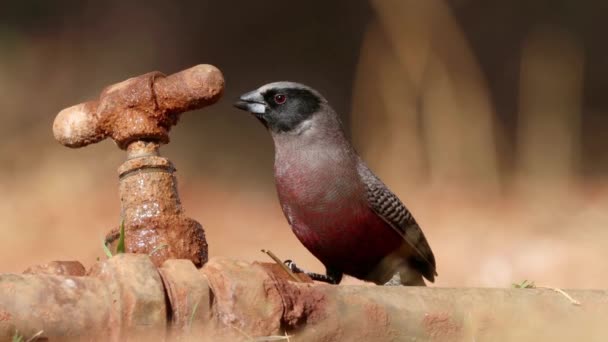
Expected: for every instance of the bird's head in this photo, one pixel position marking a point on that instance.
(282, 107)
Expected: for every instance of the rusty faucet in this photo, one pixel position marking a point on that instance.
(138, 114)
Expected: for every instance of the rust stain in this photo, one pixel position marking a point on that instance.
(66, 268)
(244, 296)
(155, 223)
(377, 314)
(442, 326)
(5, 316)
(302, 303)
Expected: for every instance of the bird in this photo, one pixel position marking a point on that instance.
(336, 206)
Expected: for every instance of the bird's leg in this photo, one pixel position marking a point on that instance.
(331, 276)
(314, 276)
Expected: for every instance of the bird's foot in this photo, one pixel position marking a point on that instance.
(326, 278)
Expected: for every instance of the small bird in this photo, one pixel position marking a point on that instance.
(338, 209)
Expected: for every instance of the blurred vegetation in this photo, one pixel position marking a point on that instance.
(486, 90)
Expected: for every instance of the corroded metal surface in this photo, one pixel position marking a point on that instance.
(137, 296)
(248, 299)
(279, 273)
(154, 220)
(142, 107)
(138, 114)
(63, 307)
(122, 296)
(244, 297)
(124, 299)
(189, 296)
(65, 268)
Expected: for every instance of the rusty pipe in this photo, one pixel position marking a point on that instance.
(126, 297)
(321, 312)
(123, 294)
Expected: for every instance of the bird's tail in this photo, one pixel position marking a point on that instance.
(406, 277)
(394, 270)
(411, 277)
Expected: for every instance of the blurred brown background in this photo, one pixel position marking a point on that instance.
(487, 118)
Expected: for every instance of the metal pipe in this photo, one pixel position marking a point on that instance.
(260, 303)
(127, 298)
(122, 295)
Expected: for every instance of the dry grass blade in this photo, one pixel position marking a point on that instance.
(240, 331)
(272, 338)
(35, 336)
(158, 248)
(280, 263)
(563, 293)
(527, 284)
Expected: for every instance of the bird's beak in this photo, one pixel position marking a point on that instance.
(252, 102)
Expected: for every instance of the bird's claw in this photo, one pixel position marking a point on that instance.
(331, 279)
(292, 266)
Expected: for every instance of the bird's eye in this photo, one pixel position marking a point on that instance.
(280, 98)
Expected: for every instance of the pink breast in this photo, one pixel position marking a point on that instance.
(341, 232)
